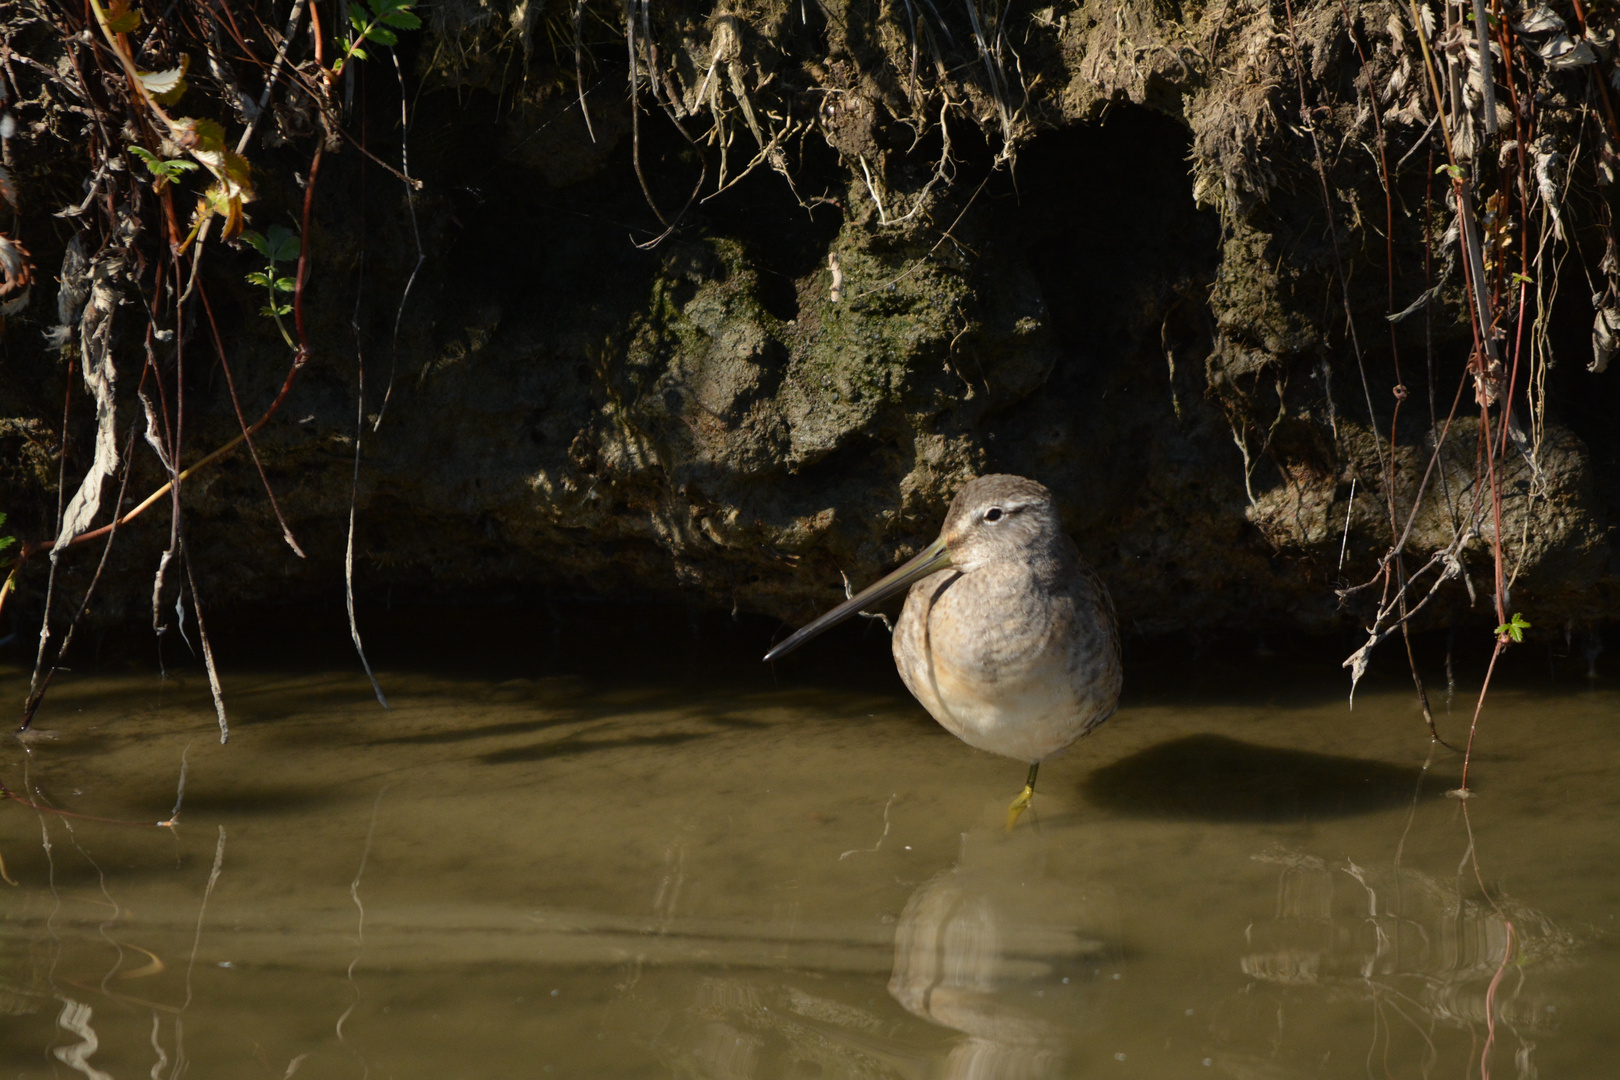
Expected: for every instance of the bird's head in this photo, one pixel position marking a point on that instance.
(999, 517)
(993, 517)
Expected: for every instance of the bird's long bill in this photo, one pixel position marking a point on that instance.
(935, 556)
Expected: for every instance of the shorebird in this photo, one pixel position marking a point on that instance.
(1007, 637)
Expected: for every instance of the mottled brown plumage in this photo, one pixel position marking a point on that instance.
(1007, 637)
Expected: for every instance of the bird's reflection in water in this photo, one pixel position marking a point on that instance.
(756, 1027)
(1442, 970)
(993, 949)
(990, 949)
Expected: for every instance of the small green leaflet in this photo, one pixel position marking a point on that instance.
(279, 284)
(165, 171)
(277, 243)
(396, 13)
(1514, 629)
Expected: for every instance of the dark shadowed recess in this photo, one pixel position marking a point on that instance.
(1215, 778)
(1103, 218)
(560, 253)
(1589, 402)
(784, 241)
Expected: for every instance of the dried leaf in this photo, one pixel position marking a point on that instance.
(74, 286)
(221, 199)
(233, 187)
(16, 271)
(15, 304)
(121, 19)
(1541, 20)
(1570, 55)
(1560, 51)
(1605, 338)
(167, 87)
(1357, 663)
(204, 135)
(16, 277)
(100, 379)
(1549, 181)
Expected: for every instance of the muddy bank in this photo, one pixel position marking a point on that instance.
(1102, 245)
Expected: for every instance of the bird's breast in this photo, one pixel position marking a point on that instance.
(1007, 666)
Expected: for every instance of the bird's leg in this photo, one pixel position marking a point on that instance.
(1020, 804)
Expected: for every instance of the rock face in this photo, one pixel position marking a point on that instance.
(1142, 254)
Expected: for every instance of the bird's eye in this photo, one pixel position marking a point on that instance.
(993, 514)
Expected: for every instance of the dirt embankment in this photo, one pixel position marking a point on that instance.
(722, 303)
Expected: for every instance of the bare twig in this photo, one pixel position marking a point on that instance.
(247, 436)
(354, 488)
(411, 187)
(207, 648)
(997, 78)
(294, 21)
(579, 65)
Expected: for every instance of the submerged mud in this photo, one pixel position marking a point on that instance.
(1106, 245)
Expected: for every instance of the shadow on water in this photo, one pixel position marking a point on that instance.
(260, 800)
(1215, 778)
(483, 731)
(570, 747)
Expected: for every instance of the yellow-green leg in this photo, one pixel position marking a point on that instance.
(1020, 804)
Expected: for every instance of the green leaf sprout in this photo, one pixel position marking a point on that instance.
(375, 23)
(1514, 629)
(277, 244)
(163, 172)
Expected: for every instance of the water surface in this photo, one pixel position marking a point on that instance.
(587, 855)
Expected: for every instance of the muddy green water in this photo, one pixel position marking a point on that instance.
(650, 857)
